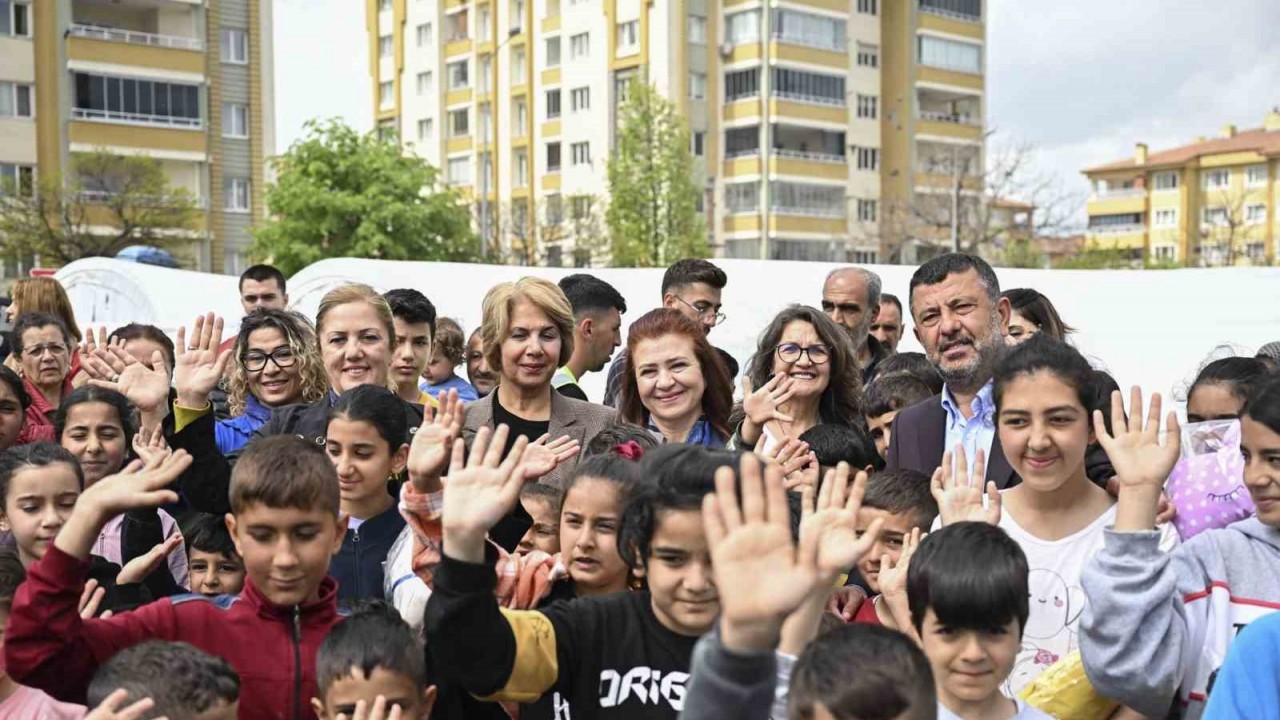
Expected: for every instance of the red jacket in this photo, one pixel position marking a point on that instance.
(48, 646)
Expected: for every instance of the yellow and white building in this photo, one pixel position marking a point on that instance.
(1211, 202)
(811, 120)
(187, 82)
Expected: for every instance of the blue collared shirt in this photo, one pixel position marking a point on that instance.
(233, 434)
(976, 432)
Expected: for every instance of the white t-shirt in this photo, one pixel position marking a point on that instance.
(1025, 712)
(1057, 600)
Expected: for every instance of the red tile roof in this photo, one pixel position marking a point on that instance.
(1264, 142)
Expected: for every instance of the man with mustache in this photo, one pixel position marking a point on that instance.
(481, 376)
(961, 320)
(851, 298)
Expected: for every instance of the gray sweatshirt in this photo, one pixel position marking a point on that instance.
(725, 685)
(1157, 626)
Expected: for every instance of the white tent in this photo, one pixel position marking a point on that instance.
(111, 292)
(1148, 327)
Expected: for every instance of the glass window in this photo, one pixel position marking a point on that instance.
(802, 198)
(742, 197)
(237, 194)
(804, 28)
(459, 171)
(963, 9)
(553, 51)
(424, 83)
(1166, 181)
(386, 93)
(1167, 217)
(455, 26)
(808, 86)
(459, 77)
(697, 29)
(234, 46)
(459, 122)
(697, 86)
(742, 27)
(867, 105)
(520, 160)
(866, 210)
(17, 179)
(741, 84)
(699, 142)
(580, 99)
(580, 153)
(235, 120)
(424, 35)
(1255, 175)
(628, 35)
(14, 19)
(426, 128)
(950, 54)
(553, 104)
(15, 100)
(1255, 213)
(579, 46)
(1217, 179)
(868, 55)
(868, 7)
(553, 157)
(385, 47)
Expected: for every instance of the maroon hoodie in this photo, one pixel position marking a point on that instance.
(47, 646)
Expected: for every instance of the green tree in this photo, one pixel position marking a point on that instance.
(652, 216)
(342, 194)
(107, 203)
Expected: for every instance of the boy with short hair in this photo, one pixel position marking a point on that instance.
(542, 502)
(447, 353)
(967, 586)
(902, 501)
(835, 444)
(415, 321)
(18, 701)
(886, 396)
(285, 524)
(183, 681)
(213, 565)
(373, 653)
(862, 671)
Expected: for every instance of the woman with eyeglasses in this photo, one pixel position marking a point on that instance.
(676, 384)
(804, 373)
(42, 346)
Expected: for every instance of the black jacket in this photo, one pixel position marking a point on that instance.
(358, 566)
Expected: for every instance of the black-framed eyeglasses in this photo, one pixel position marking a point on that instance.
(254, 361)
(54, 349)
(791, 352)
(705, 311)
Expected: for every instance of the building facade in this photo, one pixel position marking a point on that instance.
(186, 82)
(814, 123)
(1209, 203)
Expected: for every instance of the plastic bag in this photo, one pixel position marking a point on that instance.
(1064, 692)
(1207, 484)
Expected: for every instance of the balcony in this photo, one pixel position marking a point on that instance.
(809, 98)
(1118, 229)
(131, 118)
(962, 10)
(810, 156)
(1118, 193)
(105, 197)
(945, 116)
(136, 37)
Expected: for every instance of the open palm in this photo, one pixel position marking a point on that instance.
(761, 406)
(960, 499)
(433, 441)
(833, 521)
(198, 366)
(146, 387)
(544, 455)
(1134, 450)
(484, 488)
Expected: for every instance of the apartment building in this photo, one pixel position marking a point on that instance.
(187, 82)
(811, 120)
(1211, 202)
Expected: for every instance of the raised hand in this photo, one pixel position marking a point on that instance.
(433, 442)
(139, 485)
(480, 491)
(91, 600)
(845, 602)
(377, 711)
(752, 540)
(110, 708)
(793, 457)
(893, 577)
(90, 343)
(762, 406)
(146, 387)
(541, 457)
(137, 569)
(834, 522)
(1135, 450)
(958, 498)
(149, 443)
(199, 366)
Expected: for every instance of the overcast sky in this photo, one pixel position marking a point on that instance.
(1080, 80)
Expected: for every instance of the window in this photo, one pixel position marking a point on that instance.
(1214, 216)
(1255, 175)
(455, 26)
(459, 122)
(808, 86)
(699, 142)
(622, 86)
(742, 27)
(1165, 252)
(867, 105)
(237, 195)
(1167, 217)
(553, 157)
(741, 83)
(388, 130)
(963, 9)
(802, 28)
(424, 35)
(386, 46)
(950, 54)
(426, 128)
(553, 104)
(865, 257)
(866, 210)
(1165, 181)
(697, 29)
(580, 206)
(742, 197)
(742, 141)
(553, 51)
(1217, 179)
(805, 199)
(579, 46)
(485, 117)
(1255, 251)
(384, 5)
(868, 158)
(235, 120)
(386, 93)
(553, 8)
(485, 79)
(100, 97)
(517, 16)
(520, 161)
(15, 20)
(628, 35)
(697, 86)
(424, 83)
(868, 7)
(1120, 220)
(520, 117)
(17, 179)
(482, 22)
(580, 153)
(459, 77)
(868, 55)
(459, 171)
(580, 99)
(517, 66)
(15, 100)
(1255, 214)
(235, 46)
(554, 209)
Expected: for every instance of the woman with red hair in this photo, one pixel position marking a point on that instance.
(676, 384)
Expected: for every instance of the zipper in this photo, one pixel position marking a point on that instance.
(297, 662)
(355, 552)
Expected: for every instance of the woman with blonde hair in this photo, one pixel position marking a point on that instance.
(527, 333)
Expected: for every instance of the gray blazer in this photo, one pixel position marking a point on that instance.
(575, 418)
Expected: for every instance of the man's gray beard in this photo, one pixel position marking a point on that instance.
(982, 369)
(858, 336)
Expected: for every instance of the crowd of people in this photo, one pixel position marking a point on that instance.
(377, 516)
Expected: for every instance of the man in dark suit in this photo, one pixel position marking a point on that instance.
(961, 320)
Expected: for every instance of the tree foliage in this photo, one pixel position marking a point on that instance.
(652, 217)
(107, 203)
(342, 194)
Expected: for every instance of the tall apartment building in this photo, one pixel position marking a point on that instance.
(187, 82)
(1211, 202)
(812, 121)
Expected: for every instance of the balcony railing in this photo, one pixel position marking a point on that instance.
(1119, 193)
(807, 98)
(137, 118)
(949, 117)
(747, 152)
(949, 13)
(815, 157)
(1118, 229)
(135, 37)
(829, 213)
(103, 197)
